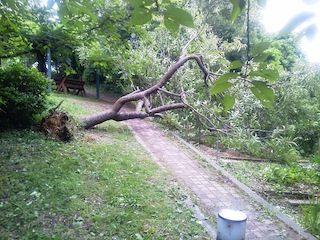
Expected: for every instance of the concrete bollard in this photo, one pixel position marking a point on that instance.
(231, 225)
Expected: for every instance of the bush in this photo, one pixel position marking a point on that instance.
(291, 174)
(307, 135)
(23, 94)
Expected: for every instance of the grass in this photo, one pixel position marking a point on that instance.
(102, 185)
(311, 216)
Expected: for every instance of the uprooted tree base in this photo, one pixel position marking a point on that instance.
(144, 106)
(57, 125)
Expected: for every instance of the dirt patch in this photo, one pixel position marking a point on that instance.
(94, 105)
(93, 135)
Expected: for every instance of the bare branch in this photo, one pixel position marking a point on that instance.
(160, 96)
(212, 128)
(215, 116)
(195, 35)
(146, 104)
(139, 106)
(169, 93)
(166, 108)
(121, 116)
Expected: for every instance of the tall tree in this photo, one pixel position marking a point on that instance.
(28, 30)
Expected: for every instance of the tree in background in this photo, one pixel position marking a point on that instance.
(29, 32)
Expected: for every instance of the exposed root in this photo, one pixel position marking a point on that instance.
(58, 125)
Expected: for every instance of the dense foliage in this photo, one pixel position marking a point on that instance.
(23, 95)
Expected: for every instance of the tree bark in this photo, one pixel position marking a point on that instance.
(41, 58)
(114, 112)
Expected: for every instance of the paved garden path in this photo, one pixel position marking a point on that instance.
(212, 189)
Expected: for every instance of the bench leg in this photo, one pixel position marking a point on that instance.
(65, 90)
(81, 91)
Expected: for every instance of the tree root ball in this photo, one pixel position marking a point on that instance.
(57, 125)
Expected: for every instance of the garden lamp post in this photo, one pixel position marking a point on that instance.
(49, 6)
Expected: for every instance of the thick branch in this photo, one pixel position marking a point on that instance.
(163, 81)
(115, 114)
(121, 116)
(169, 93)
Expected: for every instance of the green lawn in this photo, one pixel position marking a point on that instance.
(101, 185)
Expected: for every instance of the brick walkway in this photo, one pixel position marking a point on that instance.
(212, 190)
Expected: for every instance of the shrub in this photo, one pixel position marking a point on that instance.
(23, 94)
(307, 136)
(291, 174)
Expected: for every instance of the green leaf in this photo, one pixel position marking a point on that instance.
(10, 3)
(1, 102)
(179, 16)
(263, 87)
(263, 92)
(79, 25)
(140, 3)
(296, 21)
(225, 77)
(63, 12)
(235, 64)
(228, 101)
(140, 16)
(237, 9)
(2, 29)
(259, 48)
(257, 93)
(86, 8)
(218, 88)
(81, 8)
(261, 57)
(171, 25)
(14, 27)
(271, 74)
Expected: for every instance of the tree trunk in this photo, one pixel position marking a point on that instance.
(41, 58)
(142, 96)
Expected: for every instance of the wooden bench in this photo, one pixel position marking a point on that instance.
(65, 84)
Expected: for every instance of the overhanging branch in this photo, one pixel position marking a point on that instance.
(142, 96)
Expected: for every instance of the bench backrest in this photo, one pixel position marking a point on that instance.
(73, 81)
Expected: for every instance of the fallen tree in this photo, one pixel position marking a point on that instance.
(144, 106)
